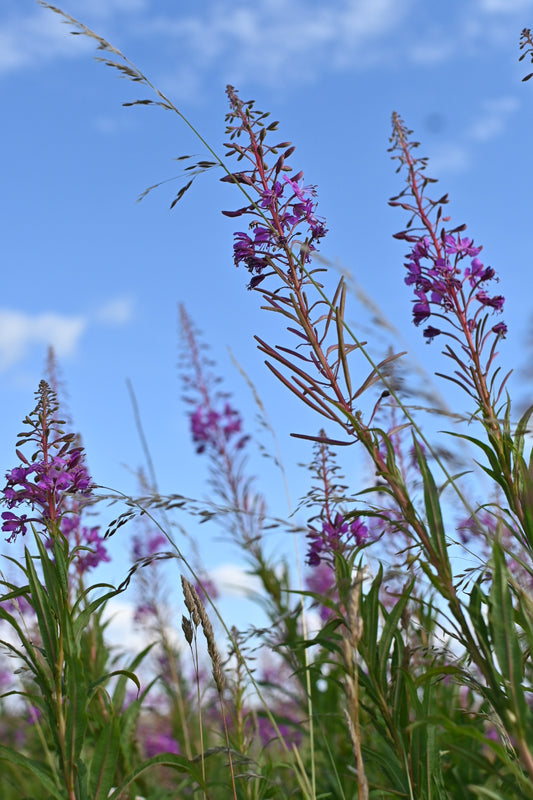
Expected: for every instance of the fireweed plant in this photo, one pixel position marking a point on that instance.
(415, 683)
(79, 742)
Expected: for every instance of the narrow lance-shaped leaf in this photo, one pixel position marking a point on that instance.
(505, 637)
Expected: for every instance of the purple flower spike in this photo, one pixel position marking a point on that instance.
(283, 211)
(335, 536)
(449, 280)
(211, 428)
(57, 471)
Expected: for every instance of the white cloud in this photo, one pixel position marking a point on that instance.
(123, 631)
(29, 40)
(493, 118)
(449, 158)
(20, 331)
(42, 35)
(274, 39)
(432, 50)
(116, 312)
(104, 8)
(233, 581)
(505, 6)
(490, 122)
(269, 39)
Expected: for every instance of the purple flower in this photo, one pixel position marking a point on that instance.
(44, 487)
(321, 580)
(289, 733)
(482, 524)
(278, 220)
(463, 247)
(5, 679)
(439, 283)
(442, 284)
(160, 742)
(146, 546)
(494, 302)
(212, 428)
(430, 332)
(500, 328)
(14, 524)
(144, 612)
(271, 195)
(34, 714)
(335, 536)
(86, 560)
(421, 310)
(206, 588)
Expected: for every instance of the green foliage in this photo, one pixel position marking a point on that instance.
(416, 683)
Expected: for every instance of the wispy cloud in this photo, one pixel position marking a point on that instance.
(20, 332)
(432, 49)
(123, 632)
(116, 312)
(450, 157)
(233, 581)
(504, 6)
(267, 39)
(493, 118)
(32, 39)
(273, 39)
(491, 121)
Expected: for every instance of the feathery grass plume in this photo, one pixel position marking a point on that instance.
(196, 609)
(199, 616)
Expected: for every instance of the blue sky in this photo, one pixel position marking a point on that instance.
(99, 276)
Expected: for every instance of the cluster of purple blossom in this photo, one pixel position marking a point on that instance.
(83, 536)
(213, 429)
(55, 487)
(280, 228)
(321, 581)
(44, 487)
(439, 283)
(483, 524)
(284, 208)
(147, 545)
(336, 535)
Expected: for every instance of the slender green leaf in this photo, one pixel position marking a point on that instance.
(76, 716)
(45, 616)
(103, 765)
(390, 630)
(39, 770)
(433, 511)
(505, 637)
(179, 763)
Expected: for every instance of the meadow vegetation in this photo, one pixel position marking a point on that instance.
(385, 670)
